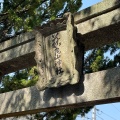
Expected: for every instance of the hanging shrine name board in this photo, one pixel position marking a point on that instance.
(59, 56)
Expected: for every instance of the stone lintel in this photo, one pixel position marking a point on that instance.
(96, 10)
(17, 41)
(93, 89)
(100, 30)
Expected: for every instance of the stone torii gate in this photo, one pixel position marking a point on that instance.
(97, 26)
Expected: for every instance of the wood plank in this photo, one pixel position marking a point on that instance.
(93, 89)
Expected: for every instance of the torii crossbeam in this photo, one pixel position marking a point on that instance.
(97, 25)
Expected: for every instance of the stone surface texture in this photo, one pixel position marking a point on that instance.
(95, 88)
(59, 57)
(97, 26)
(96, 10)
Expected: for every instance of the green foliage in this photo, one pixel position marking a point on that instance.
(97, 60)
(20, 79)
(63, 114)
(25, 15)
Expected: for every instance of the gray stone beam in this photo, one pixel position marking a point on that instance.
(17, 41)
(100, 30)
(16, 51)
(99, 25)
(93, 89)
(98, 9)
